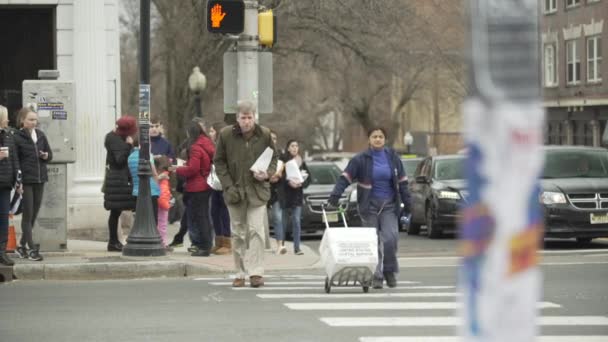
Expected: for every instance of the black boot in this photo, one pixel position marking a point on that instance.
(4, 259)
(114, 246)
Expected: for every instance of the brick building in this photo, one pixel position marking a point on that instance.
(574, 79)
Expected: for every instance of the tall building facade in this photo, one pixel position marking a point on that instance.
(80, 38)
(573, 39)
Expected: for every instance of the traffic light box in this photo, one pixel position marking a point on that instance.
(267, 30)
(225, 16)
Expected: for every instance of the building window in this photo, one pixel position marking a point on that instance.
(550, 69)
(572, 3)
(550, 6)
(591, 1)
(573, 63)
(557, 134)
(594, 59)
(583, 133)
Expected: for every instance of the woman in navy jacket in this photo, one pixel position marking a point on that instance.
(34, 153)
(381, 189)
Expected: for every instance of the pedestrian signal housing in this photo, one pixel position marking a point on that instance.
(267, 31)
(225, 16)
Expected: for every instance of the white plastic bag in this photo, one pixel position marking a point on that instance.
(213, 180)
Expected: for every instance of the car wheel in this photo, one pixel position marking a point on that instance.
(432, 229)
(583, 239)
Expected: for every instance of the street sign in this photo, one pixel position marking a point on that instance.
(265, 87)
(225, 16)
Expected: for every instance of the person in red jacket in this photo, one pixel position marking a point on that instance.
(200, 155)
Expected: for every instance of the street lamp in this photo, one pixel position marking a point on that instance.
(144, 239)
(197, 83)
(408, 140)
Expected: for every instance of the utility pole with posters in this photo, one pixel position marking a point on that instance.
(502, 224)
(144, 239)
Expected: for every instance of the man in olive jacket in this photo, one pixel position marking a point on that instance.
(245, 192)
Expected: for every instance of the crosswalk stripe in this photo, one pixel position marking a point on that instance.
(451, 321)
(390, 306)
(320, 288)
(582, 338)
(269, 276)
(317, 283)
(358, 295)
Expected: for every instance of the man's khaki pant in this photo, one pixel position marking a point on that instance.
(247, 224)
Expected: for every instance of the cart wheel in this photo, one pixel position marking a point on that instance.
(365, 289)
(327, 285)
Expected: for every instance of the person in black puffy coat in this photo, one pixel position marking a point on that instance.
(9, 178)
(34, 154)
(117, 185)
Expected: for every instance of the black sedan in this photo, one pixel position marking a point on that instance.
(437, 194)
(575, 192)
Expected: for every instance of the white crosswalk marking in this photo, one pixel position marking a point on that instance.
(451, 321)
(390, 306)
(319, 287)
(436, 306)
(317, 283)
(358, 295)
(457, 339)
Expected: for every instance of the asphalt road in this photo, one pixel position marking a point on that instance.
(208, 309)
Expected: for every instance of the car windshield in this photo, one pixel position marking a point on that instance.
(410, 165)
(447, 169)
(324, 174)
(574, 164)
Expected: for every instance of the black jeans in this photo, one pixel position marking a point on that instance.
(199, 222)
(113, 224)
(32, 199)
(5, 207)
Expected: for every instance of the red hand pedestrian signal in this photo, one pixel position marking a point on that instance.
(225, 16)
(217, 16)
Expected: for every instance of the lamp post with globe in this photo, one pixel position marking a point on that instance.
(197, 82)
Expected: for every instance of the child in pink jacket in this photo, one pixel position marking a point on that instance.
(164, 200)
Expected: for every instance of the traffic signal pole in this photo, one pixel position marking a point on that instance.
(247, 54)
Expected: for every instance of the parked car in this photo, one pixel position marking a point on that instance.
(324, 175)
(437, 194)
(575, 192)
(409, 165)
(340, 158)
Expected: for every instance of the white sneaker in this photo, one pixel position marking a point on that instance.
(282, 250)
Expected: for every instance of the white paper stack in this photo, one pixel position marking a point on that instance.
(293, 171)
(263, 161)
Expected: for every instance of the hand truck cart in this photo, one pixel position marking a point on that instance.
(349, 255)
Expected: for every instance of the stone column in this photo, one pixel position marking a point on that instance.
(85, 204)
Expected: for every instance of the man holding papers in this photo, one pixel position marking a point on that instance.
(244, 159)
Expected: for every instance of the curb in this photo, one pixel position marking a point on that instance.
(111, 271)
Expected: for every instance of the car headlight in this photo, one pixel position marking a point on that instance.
(549, 197)
(449, 195)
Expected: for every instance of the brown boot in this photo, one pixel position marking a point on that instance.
(225, 246)
(218, 244)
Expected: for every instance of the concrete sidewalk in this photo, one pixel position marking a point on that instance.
(89, 260)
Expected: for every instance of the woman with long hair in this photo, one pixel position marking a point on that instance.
(219, 211)
(200, 151)
(9, 179)
(34, 153)
(292, 196)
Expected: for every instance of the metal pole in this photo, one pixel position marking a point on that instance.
(144, 239)
(247, 54)
(198, 103)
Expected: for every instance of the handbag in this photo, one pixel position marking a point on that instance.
(213, 180)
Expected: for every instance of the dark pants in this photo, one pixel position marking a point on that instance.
(113, 224)
(219, 214)
(32, 199)
(183, 224)
(199, 222)
(5, 207)
(384, 217)
(155, 208)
